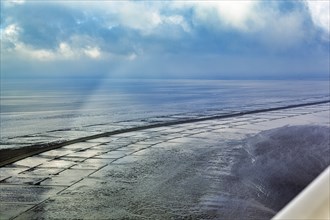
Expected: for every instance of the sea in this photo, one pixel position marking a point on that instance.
(264, 174)
(38, 111)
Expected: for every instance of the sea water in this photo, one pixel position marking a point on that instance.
(46, 110)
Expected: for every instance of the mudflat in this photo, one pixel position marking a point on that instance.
(195, 170)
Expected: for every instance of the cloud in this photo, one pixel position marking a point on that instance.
(320, 14)
(92, 52)
(146, 17)
(10, 34)
(12, 3)
(284, 31)
(141, 34)
(11, 43)
(121, 27)
(223, 14)
(129, 15)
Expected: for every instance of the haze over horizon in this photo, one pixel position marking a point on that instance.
(170, 39)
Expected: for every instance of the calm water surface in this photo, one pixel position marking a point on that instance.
(34, 111)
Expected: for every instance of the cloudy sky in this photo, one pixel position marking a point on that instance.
(166, 39)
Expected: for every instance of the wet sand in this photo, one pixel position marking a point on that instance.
(198, 170)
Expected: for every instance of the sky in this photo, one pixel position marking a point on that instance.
(165, 39)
